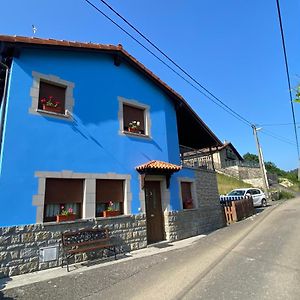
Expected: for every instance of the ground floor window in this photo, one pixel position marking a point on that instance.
(109, 196)
(63, 194)
(186, 195)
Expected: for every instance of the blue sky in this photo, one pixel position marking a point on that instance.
(232, 47)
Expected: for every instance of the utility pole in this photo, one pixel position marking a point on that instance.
(261, 161)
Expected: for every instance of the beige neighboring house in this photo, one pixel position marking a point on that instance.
(216, 158)
(225, 159)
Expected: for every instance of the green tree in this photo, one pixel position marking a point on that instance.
(297, 96)
(250, 157)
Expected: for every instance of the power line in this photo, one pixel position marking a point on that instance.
(172, 61)
(278, 137)
(287, 74)
(211, 96)
(278, 124)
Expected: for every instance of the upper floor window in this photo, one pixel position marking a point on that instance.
(52, 98)
(229, 154)
(134, 118)
(51, 95)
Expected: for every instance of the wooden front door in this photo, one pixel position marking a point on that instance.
(154, 215)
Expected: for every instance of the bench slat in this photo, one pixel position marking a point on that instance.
(87, 242)
(80, 250)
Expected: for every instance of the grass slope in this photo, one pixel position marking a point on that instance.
(226, 184)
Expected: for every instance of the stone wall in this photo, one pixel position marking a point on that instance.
(248, 173)
(207, 188)
(251, 175)
(256, 182)
(207, 217)
(183, 224)
(20, 245)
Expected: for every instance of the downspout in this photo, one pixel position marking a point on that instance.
(3, 106)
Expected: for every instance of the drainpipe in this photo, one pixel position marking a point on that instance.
(3, 102)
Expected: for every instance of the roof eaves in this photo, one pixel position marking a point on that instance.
(119, 49)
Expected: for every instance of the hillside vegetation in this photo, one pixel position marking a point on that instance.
(272, 168)
(226, 184)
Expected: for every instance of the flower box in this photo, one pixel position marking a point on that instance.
(111, 213)
(188, 206)
(52, 109)
(134, 130)
(65, 218)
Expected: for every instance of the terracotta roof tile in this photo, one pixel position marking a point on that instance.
(158, 165)
(73, 44)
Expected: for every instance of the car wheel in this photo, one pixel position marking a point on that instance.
(263, 202)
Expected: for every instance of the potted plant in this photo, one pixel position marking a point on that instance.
(188, 203)
(133, 126)
(110, 211)
(51, 104)
(65, 215)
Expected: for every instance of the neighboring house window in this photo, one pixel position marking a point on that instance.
(134, 119)
(229, 154)
(186, 195)
(62, 192)
(51, 95)
(52, 98)
(109, 195)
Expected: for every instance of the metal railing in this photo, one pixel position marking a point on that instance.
(195, 163)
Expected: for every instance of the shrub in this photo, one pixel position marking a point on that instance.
(285, 195)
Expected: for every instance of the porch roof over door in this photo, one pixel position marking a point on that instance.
(156, 165)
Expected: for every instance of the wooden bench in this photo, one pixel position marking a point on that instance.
(85, 240)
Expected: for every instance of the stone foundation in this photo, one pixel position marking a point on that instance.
(20, 245)
(183, 224)
(209, 215)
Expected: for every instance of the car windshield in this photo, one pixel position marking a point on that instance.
(236, 193)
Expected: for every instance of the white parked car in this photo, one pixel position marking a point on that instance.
(258, 196)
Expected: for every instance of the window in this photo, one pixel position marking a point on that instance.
(52, 98)
(62, 192)
(229, 154)
(108, 192)
(133, 119)
(51, 95)
(186, 195)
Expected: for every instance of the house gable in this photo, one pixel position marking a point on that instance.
(187, 119)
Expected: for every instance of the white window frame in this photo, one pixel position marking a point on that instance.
(55, 80)
(147, 120)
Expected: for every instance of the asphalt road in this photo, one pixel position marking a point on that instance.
(257, 258)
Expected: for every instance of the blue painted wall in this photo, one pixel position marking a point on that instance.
(89, 144)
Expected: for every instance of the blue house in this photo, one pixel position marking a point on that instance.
(88, 128)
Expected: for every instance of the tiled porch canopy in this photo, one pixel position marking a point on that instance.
(156, 167)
